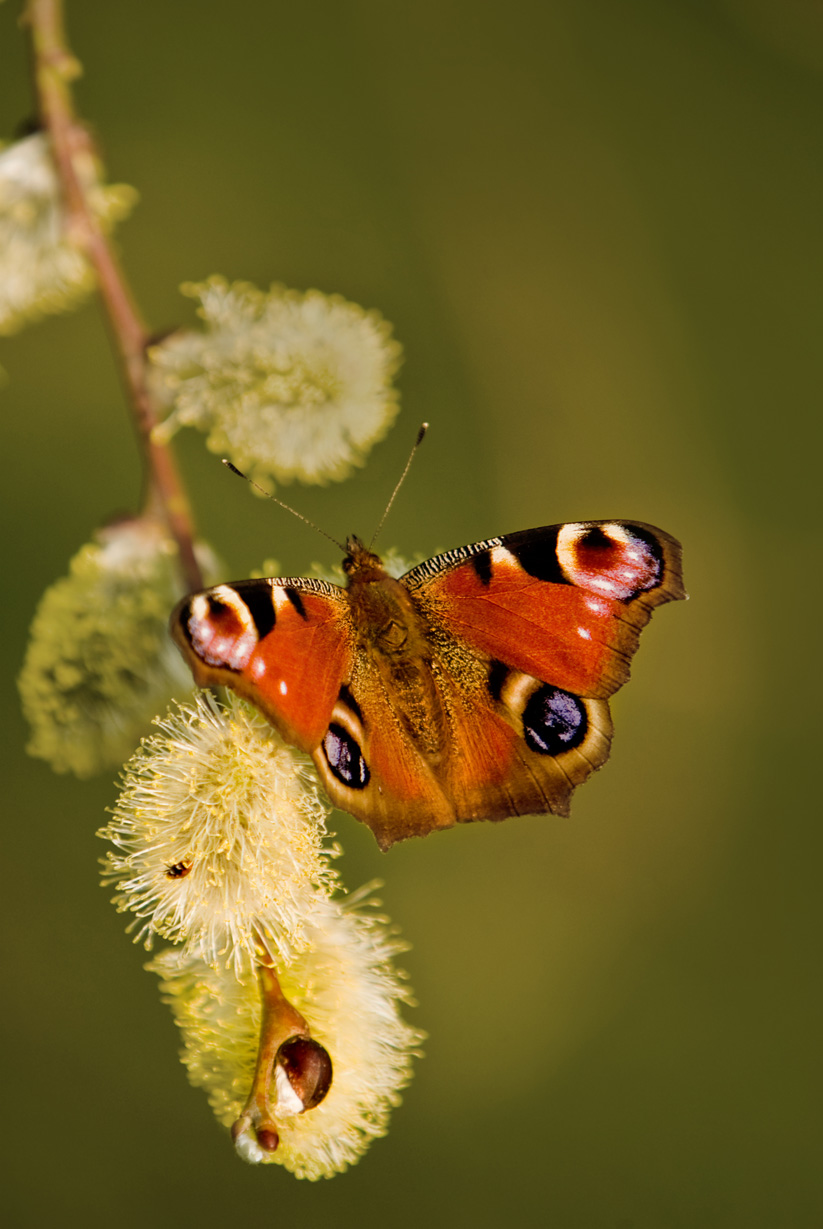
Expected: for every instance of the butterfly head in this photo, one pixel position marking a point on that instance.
(360, 563)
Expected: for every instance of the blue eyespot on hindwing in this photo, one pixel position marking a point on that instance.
(344, 758)
(554, 721)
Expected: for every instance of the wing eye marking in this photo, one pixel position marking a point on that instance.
(344, 758)
(220, 628)
(616, 560)
(554, 721)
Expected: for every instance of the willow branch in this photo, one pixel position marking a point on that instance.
(54, 70)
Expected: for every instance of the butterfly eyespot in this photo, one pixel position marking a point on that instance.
(222, 629)
(554, 721)
(631, 555)
(344, 758)
(178, 871)
(620, 561)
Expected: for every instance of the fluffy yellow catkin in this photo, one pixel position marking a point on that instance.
(346, 987)
(100, 664)
(41, 270)
(288, 385)
(219, 833)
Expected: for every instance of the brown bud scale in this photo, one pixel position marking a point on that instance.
(308, 1067)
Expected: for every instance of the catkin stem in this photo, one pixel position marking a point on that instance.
(54, 69)
(279, 1021)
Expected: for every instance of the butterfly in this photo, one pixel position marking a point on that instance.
(474, 687)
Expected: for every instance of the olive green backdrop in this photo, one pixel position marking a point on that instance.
(596, 228)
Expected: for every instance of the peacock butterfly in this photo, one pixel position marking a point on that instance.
(474, 687)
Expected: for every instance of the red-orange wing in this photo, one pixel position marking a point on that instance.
(532, 633)
(564, 603)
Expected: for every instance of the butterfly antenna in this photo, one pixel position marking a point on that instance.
(288, 508)
(420, 436)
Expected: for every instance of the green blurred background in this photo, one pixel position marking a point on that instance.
(596, 229)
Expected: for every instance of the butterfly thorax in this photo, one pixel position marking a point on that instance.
(390, 630)
(383, 611)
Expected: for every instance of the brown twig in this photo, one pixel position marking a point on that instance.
(279, 1022)
(54, 70)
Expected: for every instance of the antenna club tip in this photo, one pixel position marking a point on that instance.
(233, 468)
(423, 429)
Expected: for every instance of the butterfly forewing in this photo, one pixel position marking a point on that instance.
(285, 645)
(564, 603)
